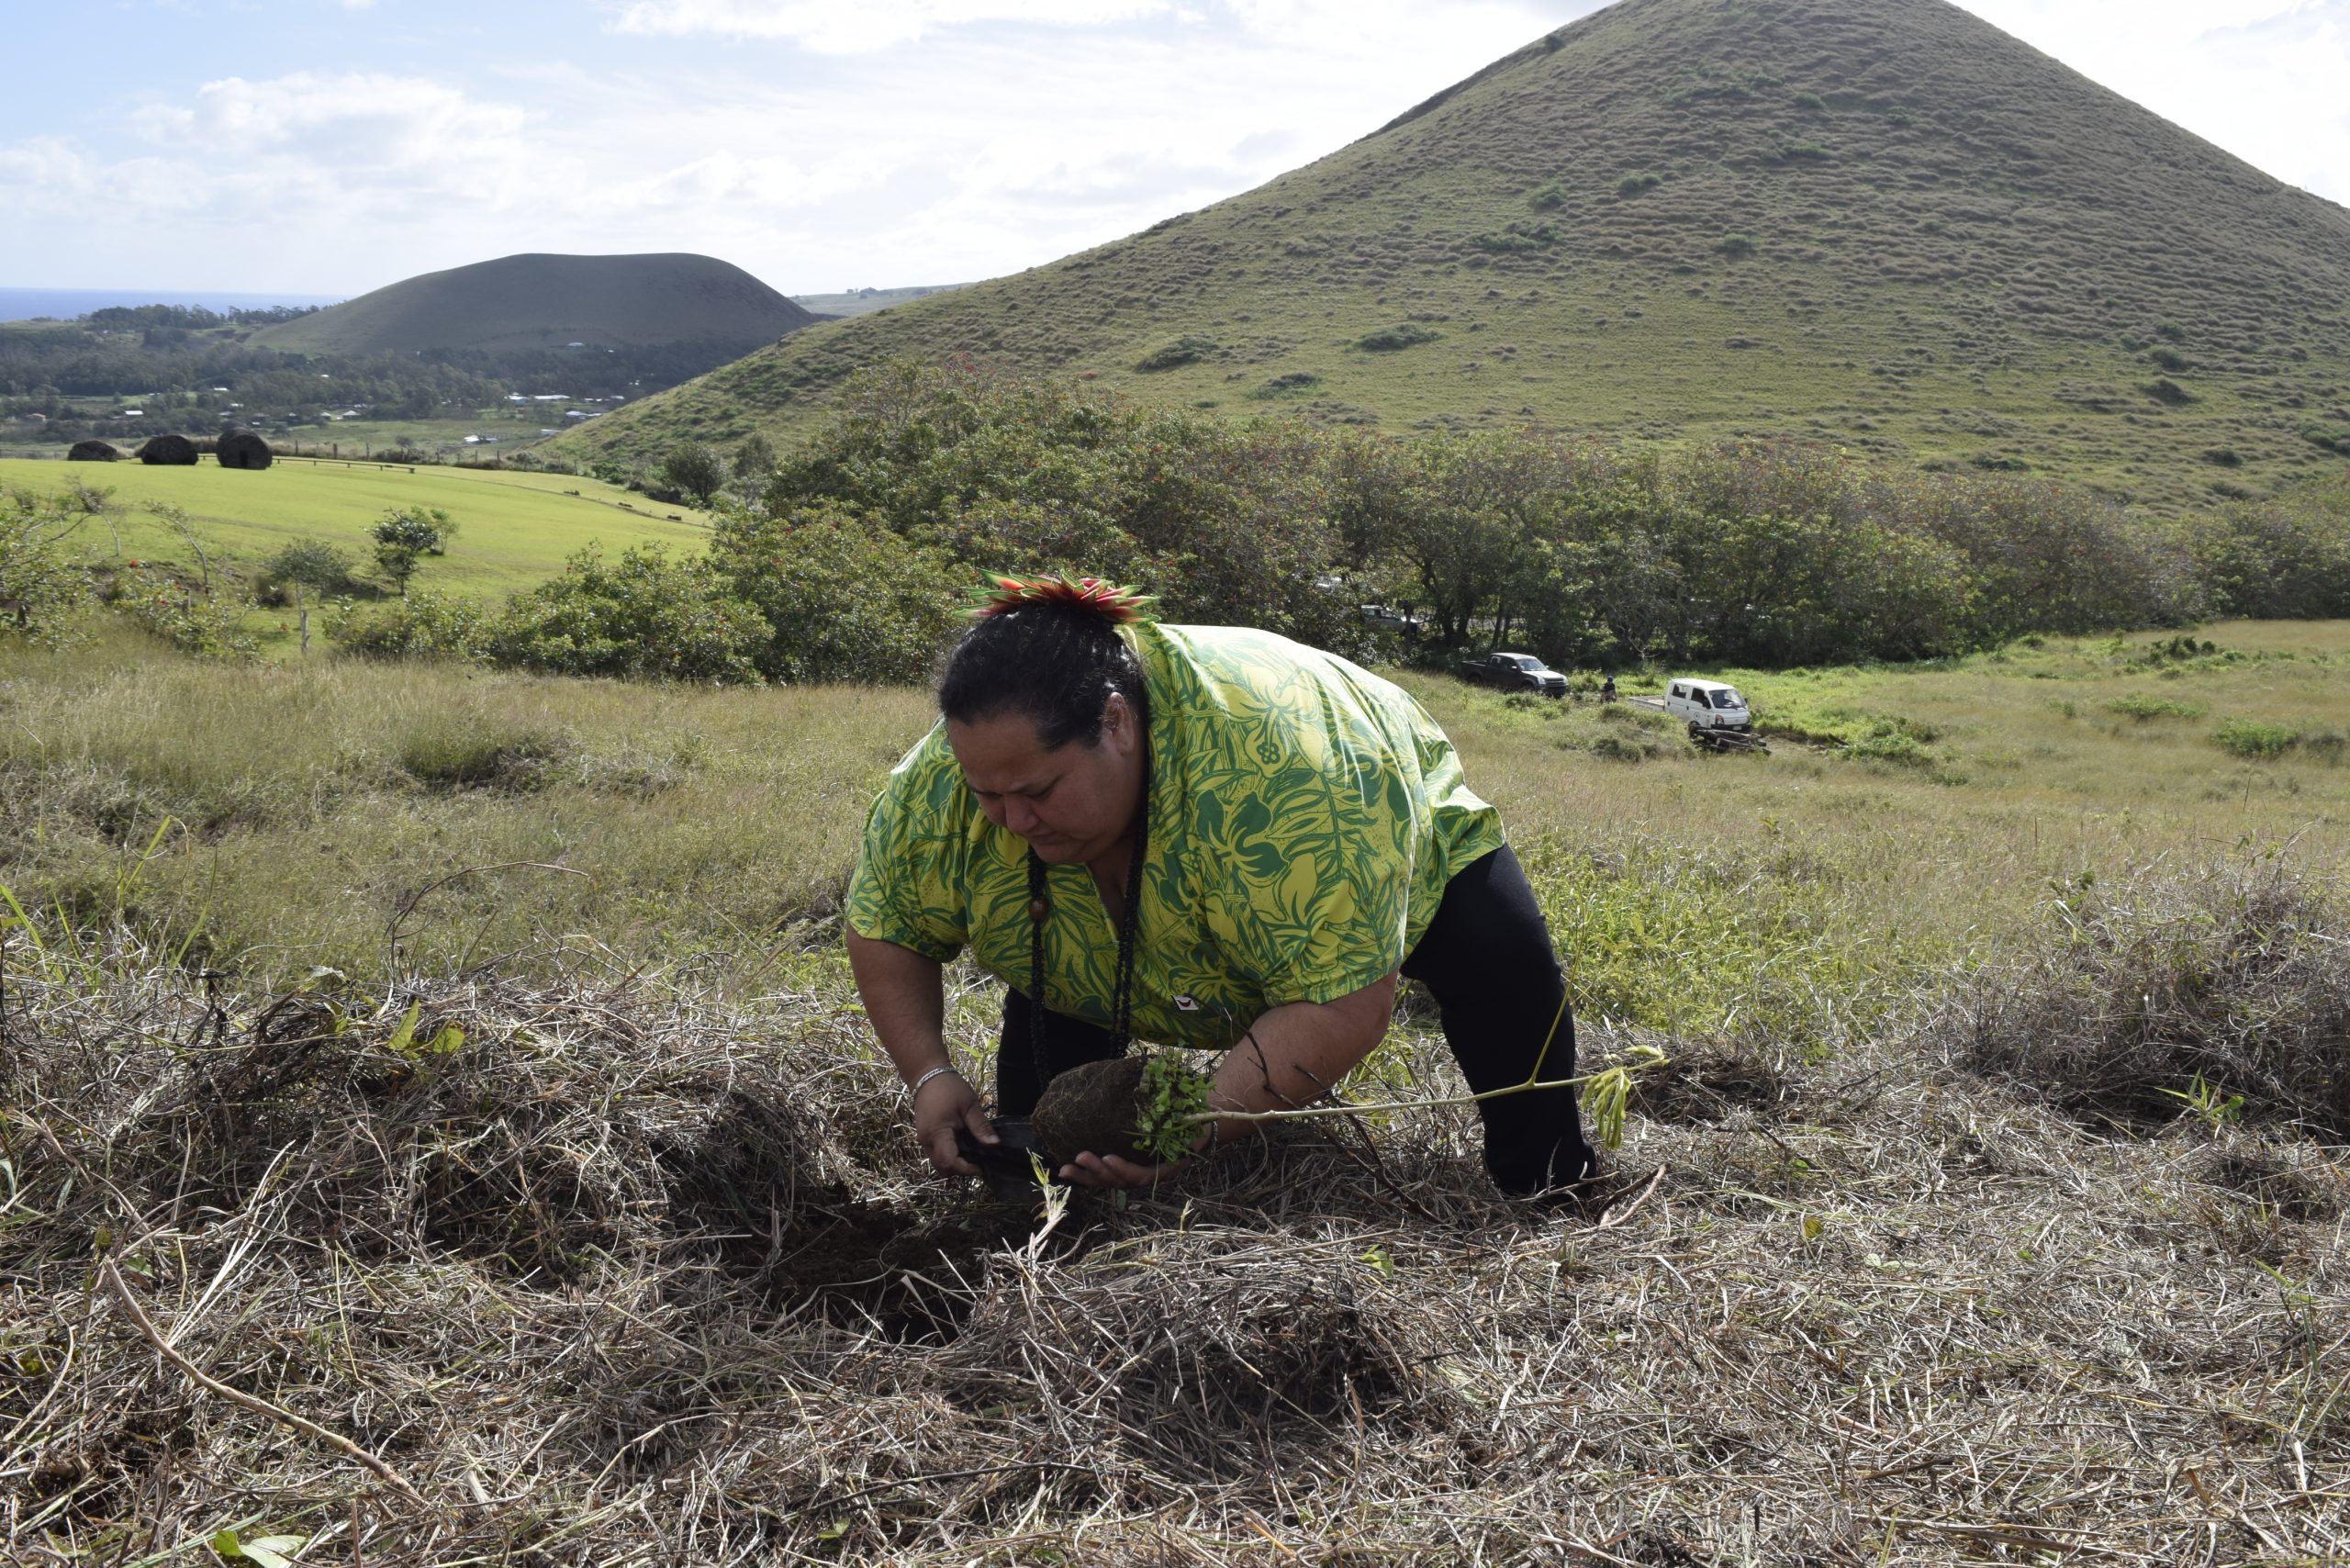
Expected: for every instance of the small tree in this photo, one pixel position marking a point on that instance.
(754, 460)
(405, 534)
(312, 564)
(695, 469)
(39, 583)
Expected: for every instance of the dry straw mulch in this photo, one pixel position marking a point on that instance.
(630, 1275)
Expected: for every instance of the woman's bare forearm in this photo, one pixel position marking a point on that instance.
(905, 999)
(1297, 1052)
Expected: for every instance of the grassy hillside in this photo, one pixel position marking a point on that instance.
(538, 301)
(1880, 223)
(865, 301)
(1938, 1238)
(515, 528)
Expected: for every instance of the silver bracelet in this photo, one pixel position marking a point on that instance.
(933, 1072)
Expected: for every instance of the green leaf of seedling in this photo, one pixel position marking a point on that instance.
(269, 1550)
(404, 1035)
(1378, 1259)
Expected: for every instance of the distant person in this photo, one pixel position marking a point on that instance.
(1195, 834)
(1607, 689)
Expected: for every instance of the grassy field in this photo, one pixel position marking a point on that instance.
(526, 1134)
(1886, 227)
(515, 528)
(1923, 823)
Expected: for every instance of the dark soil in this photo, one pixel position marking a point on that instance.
(752, 1191)
(1094, 1108)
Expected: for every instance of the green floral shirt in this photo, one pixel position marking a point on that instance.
(1304, 818)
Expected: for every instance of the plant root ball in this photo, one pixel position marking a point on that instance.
(1092, 1109)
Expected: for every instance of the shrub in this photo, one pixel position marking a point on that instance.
(844, 599)
(1735, 245)
(644, 616)
(1288, 382)
(424, 625)
(454, 752)
(1403, 335)
(2333, 438)
(1549, 198)
(2230, 978)
(1633, 184)
(306, 563)
(2253, 741)
(1812, 102)
(2162, 390)
(2142, 707)
(1895, 739)
(1189, 350)
(1515, 238)
(189, 621)
(36, 572)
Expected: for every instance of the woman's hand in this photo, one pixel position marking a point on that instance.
(945, 1104)
(1109, 1171)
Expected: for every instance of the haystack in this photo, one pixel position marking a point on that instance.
(176, 450)
(94, 452)
(242, 448)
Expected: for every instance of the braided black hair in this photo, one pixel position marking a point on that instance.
(1054, 664)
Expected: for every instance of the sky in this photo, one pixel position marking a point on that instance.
(326, 147)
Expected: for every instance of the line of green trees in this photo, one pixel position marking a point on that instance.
(848, 558)
(1587, 553)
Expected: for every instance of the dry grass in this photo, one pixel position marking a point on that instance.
(2232, 986)
(636, 1274)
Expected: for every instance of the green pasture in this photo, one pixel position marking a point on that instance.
(351, 438)
(515, 528)
(1911, 818)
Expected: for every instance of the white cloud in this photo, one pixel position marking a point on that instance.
(372, 120)
(2263, 79)
(829, 149)
(833, 27)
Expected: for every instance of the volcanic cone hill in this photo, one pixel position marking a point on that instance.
(1879, 223)
(548, 301)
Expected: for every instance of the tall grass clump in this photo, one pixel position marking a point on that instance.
(2228, 980)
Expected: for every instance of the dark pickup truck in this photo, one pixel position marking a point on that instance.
(1514, 672)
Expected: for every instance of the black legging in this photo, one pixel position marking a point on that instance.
(1487, 960)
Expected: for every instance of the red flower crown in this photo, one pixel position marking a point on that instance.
(1120, 606)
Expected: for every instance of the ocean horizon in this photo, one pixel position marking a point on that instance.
(65, 304)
